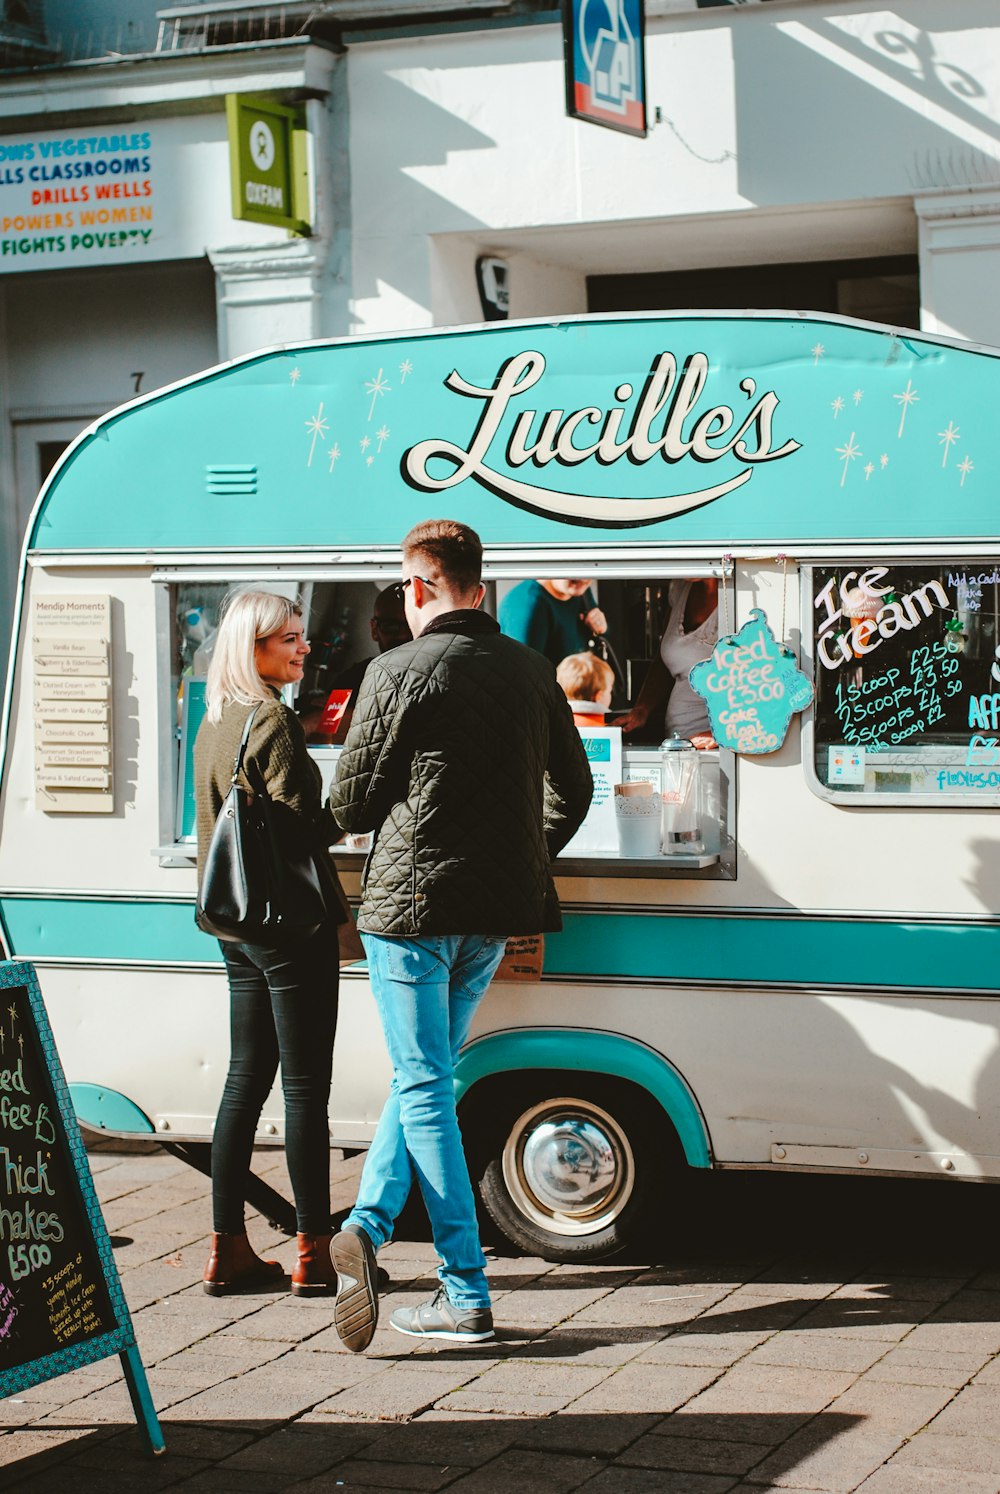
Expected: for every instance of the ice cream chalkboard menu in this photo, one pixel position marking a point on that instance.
(908, 677)
(61, 1303)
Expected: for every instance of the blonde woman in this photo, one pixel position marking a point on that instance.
(283, 1000)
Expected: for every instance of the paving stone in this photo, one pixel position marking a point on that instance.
(216, 1359)
(867, 1317)
(893, 1480)
(397, 1392)
(648, 1307)
(829, 1454)
(440, 1437)
(645, 1387)
(161, 1473)
(186, 1440)
(528, 1473)
(910, 1366)
(775, 1388)
(640, 1480)
(897, 1408)
(778, 1282)
(692, 1454)
(525, 1307)
(955, 1337)
(719, 1349)
(298, 1451)
(383, 1476)
(30, 1448)
(287, 1320)
(913, 1288)
(567, 1344)
(974, 1411)
(767, 1428)
(271, 1393)
(810, 1351)
(519, 1389)
(598, 1435)
(216, 1481)
(934, 1450)
(989, 1374)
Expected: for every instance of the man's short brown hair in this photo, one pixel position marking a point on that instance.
(454, 550)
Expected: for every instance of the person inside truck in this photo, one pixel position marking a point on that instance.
(689, 636)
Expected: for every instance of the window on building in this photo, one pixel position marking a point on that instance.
(885, 289)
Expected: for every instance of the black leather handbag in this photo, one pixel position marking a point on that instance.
(255, 888)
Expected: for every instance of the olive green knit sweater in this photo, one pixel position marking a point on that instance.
(277, 746)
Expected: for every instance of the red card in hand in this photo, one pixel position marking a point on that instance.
(333, 711)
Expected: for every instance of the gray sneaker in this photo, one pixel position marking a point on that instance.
(439, 1319)
(355, 1312)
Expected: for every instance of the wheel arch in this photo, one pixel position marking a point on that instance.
(602, 1053)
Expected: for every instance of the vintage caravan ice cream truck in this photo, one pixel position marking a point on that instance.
(806, 981)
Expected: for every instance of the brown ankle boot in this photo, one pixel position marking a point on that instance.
(233, 1266)
(313, 1274)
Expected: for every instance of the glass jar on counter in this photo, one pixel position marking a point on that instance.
(681, 772)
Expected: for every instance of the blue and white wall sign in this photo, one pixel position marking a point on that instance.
(724, 430)
(753, 687)
(604, 45)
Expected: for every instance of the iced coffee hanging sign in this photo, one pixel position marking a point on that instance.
(753, 687)
(71, 687)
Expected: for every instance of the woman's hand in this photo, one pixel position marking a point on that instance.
(596, 621)
(703, 740)
(632, 720)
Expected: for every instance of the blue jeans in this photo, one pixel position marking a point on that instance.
(427, 991)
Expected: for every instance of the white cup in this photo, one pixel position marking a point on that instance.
(638, 821)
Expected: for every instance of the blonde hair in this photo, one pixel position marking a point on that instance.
(245, 617)
(583, 676)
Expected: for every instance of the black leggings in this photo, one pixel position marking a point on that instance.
(283, 1005)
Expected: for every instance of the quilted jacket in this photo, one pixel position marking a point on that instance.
(463, 758)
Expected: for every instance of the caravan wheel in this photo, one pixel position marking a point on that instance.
(569, 1174)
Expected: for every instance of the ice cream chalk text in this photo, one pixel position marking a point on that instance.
(843, 634)
(664, 424)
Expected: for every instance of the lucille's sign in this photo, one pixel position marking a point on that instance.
(718, 431)
(665, 424)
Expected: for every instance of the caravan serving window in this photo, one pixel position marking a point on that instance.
(343, 626)
(907, 680)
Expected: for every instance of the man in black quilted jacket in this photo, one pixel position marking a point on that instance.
(464, 760)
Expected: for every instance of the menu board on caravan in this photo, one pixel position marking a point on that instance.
(61, 1302)
(907, 662)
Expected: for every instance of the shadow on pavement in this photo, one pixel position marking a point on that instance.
(477, 1455)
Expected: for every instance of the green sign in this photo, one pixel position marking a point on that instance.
(267, 163)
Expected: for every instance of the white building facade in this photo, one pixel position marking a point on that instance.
(824, 154)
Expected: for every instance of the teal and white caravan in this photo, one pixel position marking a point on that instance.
(807, 979)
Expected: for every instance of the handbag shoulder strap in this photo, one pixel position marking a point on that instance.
(241, 752)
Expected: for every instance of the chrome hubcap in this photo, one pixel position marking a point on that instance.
(569, 1167)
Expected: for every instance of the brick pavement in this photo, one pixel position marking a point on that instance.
(803, 1334)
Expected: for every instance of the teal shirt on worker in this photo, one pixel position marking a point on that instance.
(555, 628)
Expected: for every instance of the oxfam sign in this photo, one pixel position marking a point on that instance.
(267, 163)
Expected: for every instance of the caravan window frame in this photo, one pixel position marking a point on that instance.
(513, 563)
(856, 796)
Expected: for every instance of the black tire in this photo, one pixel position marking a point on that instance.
(568, 1165)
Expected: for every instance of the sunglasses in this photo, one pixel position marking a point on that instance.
(399, 589)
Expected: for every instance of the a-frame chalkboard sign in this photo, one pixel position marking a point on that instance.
(61, 1302)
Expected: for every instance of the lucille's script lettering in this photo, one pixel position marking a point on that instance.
(664, 424)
